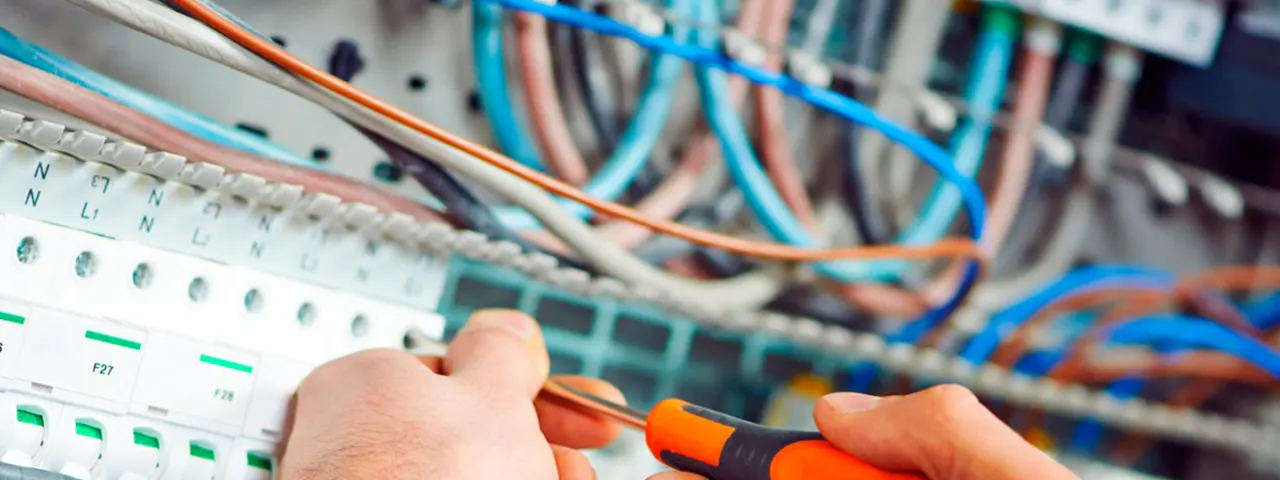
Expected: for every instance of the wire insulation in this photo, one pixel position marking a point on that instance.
(828, 100)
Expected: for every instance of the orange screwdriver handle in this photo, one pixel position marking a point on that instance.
(698, 440)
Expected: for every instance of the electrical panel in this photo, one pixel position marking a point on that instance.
(141, 325)
(159, 304)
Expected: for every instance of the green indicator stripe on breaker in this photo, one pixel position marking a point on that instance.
(143, 440)
(108, 339)
(202, 452)
(30, 418)
(86, 430)
(259, 462)
(212, 360)
(12, 318)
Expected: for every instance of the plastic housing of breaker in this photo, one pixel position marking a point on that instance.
(177, 361)
(1185, 30)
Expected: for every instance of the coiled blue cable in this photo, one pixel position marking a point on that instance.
(984, 343)
(984, 89)
(1193, 332)
(491, 73)
(825, 99)
(1265, 313)
(31, 54)
(839, 105)
(637, 142)
(981, 346)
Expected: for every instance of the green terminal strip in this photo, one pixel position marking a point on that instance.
(112, 340)
(86, 430)
(30, 418)
(1001, 19)
(212, 360)
(1083, 47)
(259, 462)
(143, 440)
(201, 452)
(12, 318)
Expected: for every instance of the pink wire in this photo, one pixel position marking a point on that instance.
(775, 151)
(678, 188)
(78, 102)
(550, 126)
(1016, 166)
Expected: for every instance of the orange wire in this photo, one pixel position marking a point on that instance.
(742, 246)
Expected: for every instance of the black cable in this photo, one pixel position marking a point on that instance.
(345, 62)
(1063, 103)
(824, 307)
(708, 215)
(590, 81)
(868, 218)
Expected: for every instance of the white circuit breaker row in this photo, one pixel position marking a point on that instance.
(1185, 30)
(108, 372)
(122, 360)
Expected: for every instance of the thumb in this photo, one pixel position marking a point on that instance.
(943, 432)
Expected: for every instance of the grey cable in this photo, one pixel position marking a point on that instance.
(1062, 105)
(1122, 67)
(868, 217)
(740, 293)
(916, 39)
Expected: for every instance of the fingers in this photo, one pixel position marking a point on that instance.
(502, 350)
(572, 464)
(943, 432)
(572, 427)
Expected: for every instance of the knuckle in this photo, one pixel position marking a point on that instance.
(950, 401)
(376, 367)
(491, 338)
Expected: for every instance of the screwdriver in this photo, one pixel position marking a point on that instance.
(700, 440)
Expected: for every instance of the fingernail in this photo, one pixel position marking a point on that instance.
(509, 320)
(850, 402)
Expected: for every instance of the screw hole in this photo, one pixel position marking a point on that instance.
(253, 301)
(280, 40)
(320, 154)
(306, 314)
(388, 172)
(408, 341)
(417, 82)
(197, 290)
(28, 250)
(86, 264)
(360, 326)
(474, 102)
(141, 276)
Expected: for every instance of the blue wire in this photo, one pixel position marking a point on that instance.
(1192, 332)
(1088, 433)
(988, 76)
(638, 140)
(491, 74)
(764, 200)
(982, 345)
(1265, 314)
(844, 107)
(31, 54)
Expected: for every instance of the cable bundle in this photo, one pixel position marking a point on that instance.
(558, 203)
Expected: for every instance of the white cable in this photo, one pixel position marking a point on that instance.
(916, 40)
(745, 292)
(1121, 70)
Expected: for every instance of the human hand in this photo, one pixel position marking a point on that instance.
(943, 432)
(471, 415)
